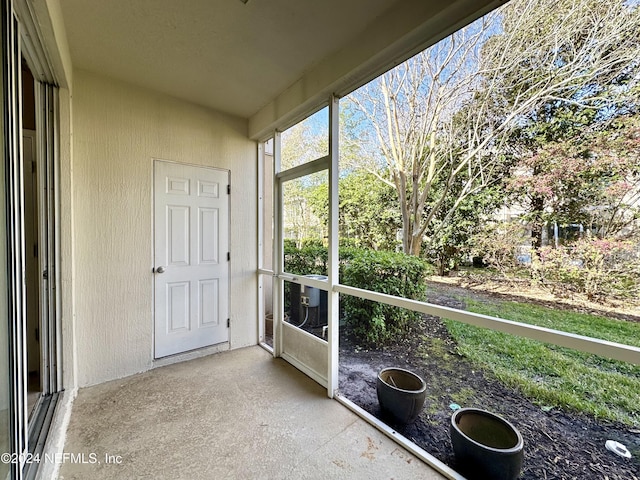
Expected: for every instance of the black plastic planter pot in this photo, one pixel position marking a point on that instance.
(401, 394)
(486, 445)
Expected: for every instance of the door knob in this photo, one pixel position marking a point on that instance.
(160, 269)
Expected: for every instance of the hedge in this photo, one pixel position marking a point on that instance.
(392, 273)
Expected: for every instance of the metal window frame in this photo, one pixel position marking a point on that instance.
(48, 180)
(20, 37)
(47, 130)
(12, 131)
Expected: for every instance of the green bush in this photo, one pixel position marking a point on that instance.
(384, 272)
(396, 274)
(312, 258)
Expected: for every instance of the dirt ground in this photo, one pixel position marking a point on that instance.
(558, 444)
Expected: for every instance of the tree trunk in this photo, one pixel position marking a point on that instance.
(416, 246)
(537, 208)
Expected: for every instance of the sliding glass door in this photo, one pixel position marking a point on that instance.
(29, 330)
(13, 418)
(5, 379)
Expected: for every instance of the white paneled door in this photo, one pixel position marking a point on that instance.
(191, 271)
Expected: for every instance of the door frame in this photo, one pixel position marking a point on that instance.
(12, 158)
(215, 347)
(326, 354)
(21, 38)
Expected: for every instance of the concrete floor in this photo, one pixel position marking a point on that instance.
(234, 415)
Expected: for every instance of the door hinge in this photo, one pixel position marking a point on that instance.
(228, 256)
(229, 189)
(228, 322)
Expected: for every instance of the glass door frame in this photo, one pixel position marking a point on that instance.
(21, 37)
(12, 157)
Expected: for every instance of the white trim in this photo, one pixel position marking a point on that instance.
(423, 455)
(310, 372)
(278, 246)
(267, 347)
(57, 436)
(318, 165)
(57, 239)
(46, 50)
(191, 354)
(333, 307)
(306, 281)
(260, 194)
(47, 161)
(310, 336)
(308, 168)
(33, 49)
(260, 253)
(617, 351)
(186, 164)
(261, 310)
(15, 265)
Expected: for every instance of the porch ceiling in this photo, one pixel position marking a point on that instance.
(225, 54)
(268, 61)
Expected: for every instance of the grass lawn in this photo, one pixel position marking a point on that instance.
(555, 376)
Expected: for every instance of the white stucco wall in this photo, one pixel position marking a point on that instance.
(118, 130)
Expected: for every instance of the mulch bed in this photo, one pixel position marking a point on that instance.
(558, 444)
